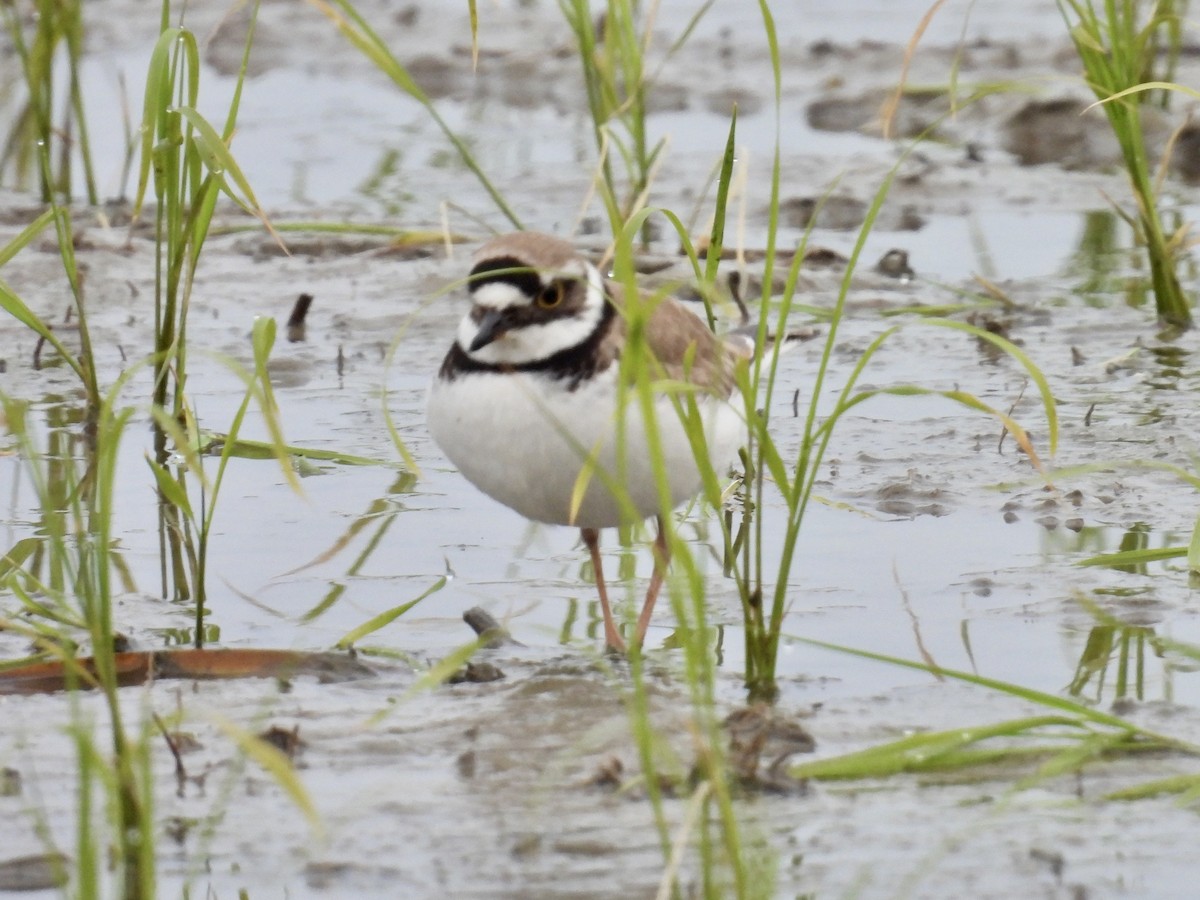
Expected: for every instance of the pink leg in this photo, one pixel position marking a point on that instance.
(662, 559)
(612, 637)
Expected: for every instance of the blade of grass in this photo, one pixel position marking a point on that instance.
(355, 29)
(388, 616)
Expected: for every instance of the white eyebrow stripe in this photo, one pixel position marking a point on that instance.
(595, 286)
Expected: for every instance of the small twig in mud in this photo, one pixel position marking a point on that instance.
(491, 633)
(1087, 417)
(181, 775)
(341, 361)
(295, 323)
(916, 626)
(1004, 430)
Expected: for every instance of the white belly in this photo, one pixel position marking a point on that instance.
(523, 440)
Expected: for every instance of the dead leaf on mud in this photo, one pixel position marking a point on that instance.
(761, 741)
(143, 666)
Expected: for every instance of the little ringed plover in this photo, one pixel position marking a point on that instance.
(528, 393)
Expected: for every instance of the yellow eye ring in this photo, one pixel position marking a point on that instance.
(552, 295)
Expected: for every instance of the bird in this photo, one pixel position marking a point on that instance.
(526, 398)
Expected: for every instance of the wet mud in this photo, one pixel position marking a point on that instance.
(934, 537)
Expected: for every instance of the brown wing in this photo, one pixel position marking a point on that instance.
(671, 334)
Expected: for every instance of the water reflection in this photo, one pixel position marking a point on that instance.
(374, 522)
(1122, 661)
(1092, 541)
(62, 475)
(388, 184)
(1107, 264)
(1115, 657)
(186, 637)
(1099, 257)
(1170, 361)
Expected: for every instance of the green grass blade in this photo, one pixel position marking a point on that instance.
(217, 159)
(171, 490)
(1193, 552)
(236, 103)
(1031, 368)
(263, 339)
(1050, 701)
(388, 616)
(17, 554)
(717, 239)
(1136, 557)
(277, 765)
(473, 14)
(25, 238)
(15, 307)
(354, 27)
(156, 100)
(922, 751)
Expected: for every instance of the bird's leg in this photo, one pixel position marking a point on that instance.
(612, 637)
(662, 559)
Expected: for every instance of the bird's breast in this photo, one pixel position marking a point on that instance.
(532, 442)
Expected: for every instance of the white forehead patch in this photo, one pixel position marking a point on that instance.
(497, 295)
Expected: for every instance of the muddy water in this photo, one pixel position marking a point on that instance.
(933, 538)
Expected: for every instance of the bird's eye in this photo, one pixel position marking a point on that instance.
(552, 295)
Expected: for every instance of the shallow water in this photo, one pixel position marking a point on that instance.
(931, 538)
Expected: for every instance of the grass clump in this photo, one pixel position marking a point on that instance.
(55, 36)
(1119, 46)
(613, 46)
(74, 594)
(187, 164)
(62, 578)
